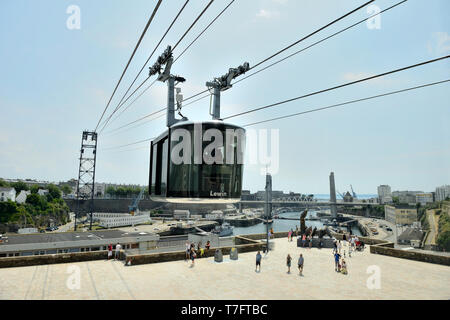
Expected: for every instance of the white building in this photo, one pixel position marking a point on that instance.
(424, 198)
(384, 193)
(180, 214)
(42, 192)
(99, 190)
(7, 193)
(111, 220)
(22, 196)
(442, 192)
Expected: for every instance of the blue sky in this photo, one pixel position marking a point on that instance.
(55, 83)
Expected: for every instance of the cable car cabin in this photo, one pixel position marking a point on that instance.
(197, 162)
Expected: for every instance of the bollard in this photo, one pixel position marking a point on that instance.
(233, 254)
(218, 257)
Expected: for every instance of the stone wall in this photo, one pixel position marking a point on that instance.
(386, 250)
(24, 261)
(137, 259)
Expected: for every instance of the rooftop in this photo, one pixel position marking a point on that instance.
(69, 236)
(399, 278)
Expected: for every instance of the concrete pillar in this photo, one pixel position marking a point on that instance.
(333, 196)
(240, 207)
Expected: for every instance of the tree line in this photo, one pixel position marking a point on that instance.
(38, 211)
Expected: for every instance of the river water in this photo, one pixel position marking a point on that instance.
(280, 225)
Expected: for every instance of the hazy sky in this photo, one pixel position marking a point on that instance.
(55, 82)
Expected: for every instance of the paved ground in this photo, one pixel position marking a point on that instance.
(399, 279)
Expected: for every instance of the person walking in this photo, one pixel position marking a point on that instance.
(339, 246)
(118, 247)
(258, 261)
(109, 251)
(303, 240)
(288, 262)
(188, 251)
(208, 245)
(334, 246)
(192, 255)
(310, 241)
(289, 235)
(300, 265)
(344, 267)
(337, 256)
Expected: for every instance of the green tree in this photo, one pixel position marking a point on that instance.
(7, 209)
(395, 200)
(66, 189)
(54, 191)
(19, 186)
(111, 191)
(35, 189)
(3, 183)
(38, 202)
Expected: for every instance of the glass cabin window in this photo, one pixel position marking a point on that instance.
(209, 181)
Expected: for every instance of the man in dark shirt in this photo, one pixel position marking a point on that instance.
(300, 264)
(337, 256)
(258, 261)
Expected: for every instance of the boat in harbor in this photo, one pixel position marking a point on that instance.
(224, 230)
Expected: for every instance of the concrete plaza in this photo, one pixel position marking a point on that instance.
(399, 278)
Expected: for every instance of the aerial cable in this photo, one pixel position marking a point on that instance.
(347, 102)
(312, 33)
(129, 60)
(143, 66)
(337, 87)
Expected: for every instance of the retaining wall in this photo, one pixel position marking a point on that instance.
(25, 261)
(138, 259)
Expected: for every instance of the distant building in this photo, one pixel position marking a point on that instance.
(408, 197)
(22, 196)
(348, 197)
(400, 214)
(99, 190)
(424, 198)
(247, 195)
(7, 193)
(442, 192)
(27, 230)
(180, 214)
(384, 193)
(411, 236)
(42, 192)
(112, 220)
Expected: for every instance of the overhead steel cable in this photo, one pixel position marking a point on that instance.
(204, 10)
(322, 108)
(120, 104)
(348, 102)
(129, 144)
(300, 40)
(195, 21)
(179, 56)
(149, 115)
(311, 34)
(337, 87)
(129, 60)
(130, 104)
(287, 57)
(317, 42)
